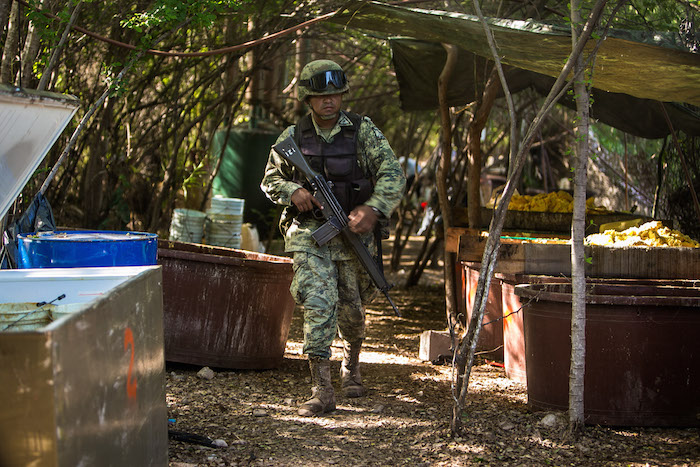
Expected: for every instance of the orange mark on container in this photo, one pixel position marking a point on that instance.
(130, 383)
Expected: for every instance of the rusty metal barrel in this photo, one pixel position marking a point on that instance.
(223, 307)
(642, 364)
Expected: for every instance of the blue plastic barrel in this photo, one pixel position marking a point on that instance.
(96, 248)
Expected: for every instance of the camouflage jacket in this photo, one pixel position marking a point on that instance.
(375, 157)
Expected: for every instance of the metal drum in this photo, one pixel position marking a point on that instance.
(93, 248)
(223, 307)
(642, 356)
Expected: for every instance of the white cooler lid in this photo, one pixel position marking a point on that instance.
(30, 123)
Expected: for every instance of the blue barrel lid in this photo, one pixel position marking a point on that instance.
(88, 236)
(86, 248)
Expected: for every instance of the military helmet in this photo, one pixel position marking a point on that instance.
(321, 77)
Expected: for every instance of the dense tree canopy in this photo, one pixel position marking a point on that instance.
(146, 150)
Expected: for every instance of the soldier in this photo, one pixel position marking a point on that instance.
(368, 181)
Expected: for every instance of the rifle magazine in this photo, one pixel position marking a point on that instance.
(325, 233)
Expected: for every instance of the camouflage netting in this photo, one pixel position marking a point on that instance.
(634, 71)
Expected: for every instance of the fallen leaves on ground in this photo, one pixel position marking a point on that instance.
(404, 420)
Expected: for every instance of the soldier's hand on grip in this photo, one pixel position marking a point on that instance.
(304, 200)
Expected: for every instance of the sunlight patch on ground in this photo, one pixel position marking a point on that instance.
(438, 376)
(499, 382)
(381, 357)
(294, 348)
(626, 434)
(409, 399)
(368, 422)
(497, 379)
(367, 356)
(466, 448)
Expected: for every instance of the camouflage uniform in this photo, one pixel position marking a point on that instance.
(329, 281)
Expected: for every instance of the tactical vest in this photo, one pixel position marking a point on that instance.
(336, 161)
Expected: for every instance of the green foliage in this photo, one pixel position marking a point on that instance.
(41, 22)
(166, 13)
(651, 15)
(646, 15)
(195, 181)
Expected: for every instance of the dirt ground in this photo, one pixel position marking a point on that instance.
(404, 420)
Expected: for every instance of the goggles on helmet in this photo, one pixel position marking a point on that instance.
(320, 81)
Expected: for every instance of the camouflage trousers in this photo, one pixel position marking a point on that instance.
(333, 295)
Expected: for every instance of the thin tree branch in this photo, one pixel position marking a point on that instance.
(686, 172)
(208, 53)
(504, 85)
(44, 81)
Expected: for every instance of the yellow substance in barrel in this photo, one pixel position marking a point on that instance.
(651, 234)
(557, 201)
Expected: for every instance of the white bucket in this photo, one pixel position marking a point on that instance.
(224, 222)
(23, 316)
(187, 225)
(230, 206)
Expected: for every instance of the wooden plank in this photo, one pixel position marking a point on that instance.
(643, 263)
(453, 237)
(520, 257)
(550, 259)
(471, 247)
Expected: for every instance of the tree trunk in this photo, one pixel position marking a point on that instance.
(303, 54)
(5, 6)
(578, 274)
(476, 126)
(11, 48)
(443, 173)
(29, 53)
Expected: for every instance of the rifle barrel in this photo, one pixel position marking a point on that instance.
(396, 310)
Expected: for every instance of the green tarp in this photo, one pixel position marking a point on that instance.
(418, 65)
(647, 67)
(242, 169)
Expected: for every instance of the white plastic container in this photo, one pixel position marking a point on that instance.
(224, 222)
(187, 225)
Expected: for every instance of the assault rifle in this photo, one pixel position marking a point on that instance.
(336, 219)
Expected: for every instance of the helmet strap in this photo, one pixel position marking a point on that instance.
(328, 117)
(323, 118)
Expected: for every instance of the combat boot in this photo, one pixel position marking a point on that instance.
(322, 394)
(350, 371)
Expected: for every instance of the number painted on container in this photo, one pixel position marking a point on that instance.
(130, 383)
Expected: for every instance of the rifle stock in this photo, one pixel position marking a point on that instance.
(336, 219)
